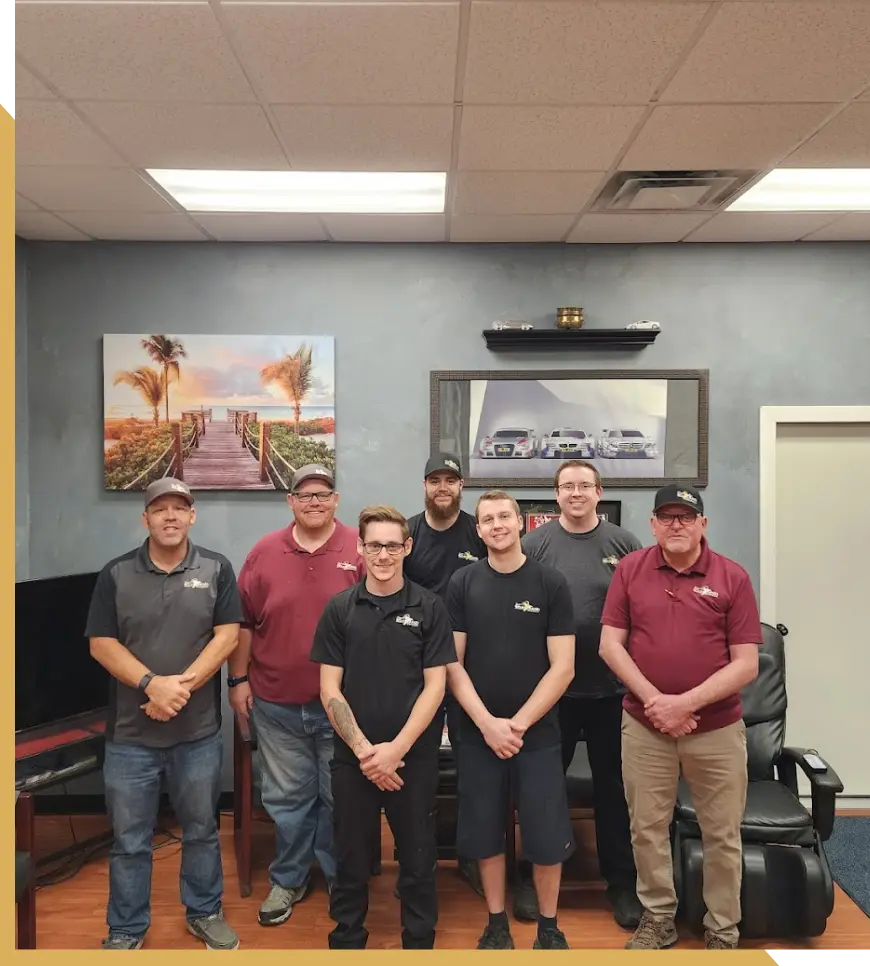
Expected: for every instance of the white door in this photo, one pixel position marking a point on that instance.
(822, 591)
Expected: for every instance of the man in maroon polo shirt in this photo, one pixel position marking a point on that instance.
(681, 630)
(285, 584)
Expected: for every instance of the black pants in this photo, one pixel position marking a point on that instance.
(599, 720)
(411, 813)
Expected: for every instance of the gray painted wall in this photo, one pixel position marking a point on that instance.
(22, 431)
(774, 324)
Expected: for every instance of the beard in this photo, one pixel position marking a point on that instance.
(438, 512)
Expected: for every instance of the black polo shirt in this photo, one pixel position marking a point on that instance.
(383, 644)
(436, 555)
(165, 620)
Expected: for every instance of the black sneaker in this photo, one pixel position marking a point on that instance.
(550, 939)
(525, 900)
(470, 871)
(496, 937)
(627, 909)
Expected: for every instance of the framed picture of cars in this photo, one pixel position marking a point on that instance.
(638, 427)
(538, 512)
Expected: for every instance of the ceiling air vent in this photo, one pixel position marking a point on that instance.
(663, 191)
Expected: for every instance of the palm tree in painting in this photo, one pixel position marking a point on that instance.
(294, 375)
(148, 383)
(166, 352)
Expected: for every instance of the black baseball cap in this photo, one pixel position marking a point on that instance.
(678, 494)
(443, 463)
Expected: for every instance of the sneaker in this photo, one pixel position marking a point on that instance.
(525, 900)
(627, 909)
(214, 931)
(712, 941)
(470, 871)
(653, 933)
(118, 940)
(550, 939)
(496, 937)
(278, 905)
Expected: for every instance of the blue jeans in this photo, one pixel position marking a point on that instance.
(133, 777)
(295, 744)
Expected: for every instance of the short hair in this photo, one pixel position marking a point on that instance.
(580, 464)
(380, 513)
(496, 495)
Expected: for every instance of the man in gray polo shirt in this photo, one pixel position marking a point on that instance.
(162, 621)
(586, 550)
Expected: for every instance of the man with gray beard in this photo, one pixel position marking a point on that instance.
(445, 539)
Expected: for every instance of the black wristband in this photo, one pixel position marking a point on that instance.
(146, 680)
(232, 682)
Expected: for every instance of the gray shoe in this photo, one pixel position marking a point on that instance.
(214, 931)
(278, 906)
(118, 940)
(653, 933)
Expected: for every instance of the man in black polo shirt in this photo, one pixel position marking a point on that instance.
(444, 540)
(162, 621)
(513, 622)
(384, 646)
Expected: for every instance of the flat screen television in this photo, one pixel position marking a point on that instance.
(55, 676)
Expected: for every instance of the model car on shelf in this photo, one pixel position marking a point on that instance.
(566, 443)
(614, 444)
(510, 443)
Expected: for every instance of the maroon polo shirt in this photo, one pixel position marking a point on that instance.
(681, 624)
(284, 590)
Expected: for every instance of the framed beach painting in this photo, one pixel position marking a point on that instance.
(221, 412)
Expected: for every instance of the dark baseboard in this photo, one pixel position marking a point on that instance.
(96, 804)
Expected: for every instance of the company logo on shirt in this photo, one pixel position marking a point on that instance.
(195, 584)
(705, 591)
(467, 555)
(612, 560)
(527, 608)
(407, 621)
(345, 565)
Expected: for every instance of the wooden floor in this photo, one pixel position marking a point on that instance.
(220, 462)
(71, 915)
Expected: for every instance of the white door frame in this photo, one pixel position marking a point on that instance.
(771, 417)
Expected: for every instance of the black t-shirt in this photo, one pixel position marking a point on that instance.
(436, 555)
(507, 619)
(384, 644)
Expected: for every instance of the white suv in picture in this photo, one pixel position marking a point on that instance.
(565, 443)
(629, 444)
(519, 443)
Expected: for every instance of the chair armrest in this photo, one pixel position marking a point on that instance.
(824, 787)
(246, 731)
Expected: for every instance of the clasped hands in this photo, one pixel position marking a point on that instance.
(167, 695)
(504, 735)
(380, 764)
(671, 714)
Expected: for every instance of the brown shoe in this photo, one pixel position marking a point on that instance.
(712, 941)
(653, 933)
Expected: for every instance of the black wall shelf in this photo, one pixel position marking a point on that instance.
(501, 340)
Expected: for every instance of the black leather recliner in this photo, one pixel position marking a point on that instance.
(787, 886)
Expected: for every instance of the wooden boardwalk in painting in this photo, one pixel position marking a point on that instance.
(220, 462)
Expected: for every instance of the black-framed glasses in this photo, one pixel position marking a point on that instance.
(668, 519)
(578, 487)
(322, 496)
(372, 548)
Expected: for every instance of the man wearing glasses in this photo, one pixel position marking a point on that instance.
(681, 629)
(285, 583)
(384, 646)
(586, 550)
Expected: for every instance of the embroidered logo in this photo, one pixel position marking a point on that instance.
(345, 565)
(407, 621)
(466, 555)
(179, 488)
(613, 560)
(452, 465)
(688, 497)
(195, 584)
(705, 591)
(527, 608)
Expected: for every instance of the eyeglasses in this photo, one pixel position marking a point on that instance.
(322, 496)
(393, 549)
(668, 519)
(576, 487)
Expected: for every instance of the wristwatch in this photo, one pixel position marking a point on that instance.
(232, 682)
(145, 681)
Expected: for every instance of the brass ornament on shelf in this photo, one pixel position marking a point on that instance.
(569, 318)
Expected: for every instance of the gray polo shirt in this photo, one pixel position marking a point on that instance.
(587, 560)
(165, 620)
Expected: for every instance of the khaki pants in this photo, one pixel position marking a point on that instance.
(713, 765)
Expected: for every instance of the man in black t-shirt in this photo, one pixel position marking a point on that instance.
(445, 539)
(383, 646)
(513, 622)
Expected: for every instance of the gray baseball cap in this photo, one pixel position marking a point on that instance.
(313, 471)
(168, 485)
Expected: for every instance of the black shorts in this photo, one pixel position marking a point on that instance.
(537, 782)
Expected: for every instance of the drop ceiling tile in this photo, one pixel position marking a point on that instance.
(371, 53)
(843, 142)
(544, 138)
(367, 138)
(524, 192)
(797, 50)
(27, 87)
(721, 136)
(386, 228)
(131, 51)
(24, 204)
(247, 226)
(48, 132)
(759, 226)
(136, 226)
(634, 228)
(573, 53)
(45, 226)
(509, 228)
(228, 136)
(854, 226)
(88, 188)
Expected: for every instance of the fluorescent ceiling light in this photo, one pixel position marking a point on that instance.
(808, 189)
(316, 192)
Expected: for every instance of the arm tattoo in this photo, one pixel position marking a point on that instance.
(345, 725)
